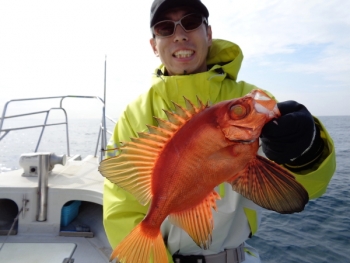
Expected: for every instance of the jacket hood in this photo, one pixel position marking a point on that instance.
(222, 54)
(226, 54)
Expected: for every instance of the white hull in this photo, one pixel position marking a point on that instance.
(77, 180)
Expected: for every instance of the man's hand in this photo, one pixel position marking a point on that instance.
(287, 139)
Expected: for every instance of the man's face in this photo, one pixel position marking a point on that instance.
(183, 52)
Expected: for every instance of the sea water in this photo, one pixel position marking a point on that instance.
(321, 233)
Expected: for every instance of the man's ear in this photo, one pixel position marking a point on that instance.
(153, 43)
(209, 35)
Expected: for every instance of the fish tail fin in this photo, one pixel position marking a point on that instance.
(141, 245)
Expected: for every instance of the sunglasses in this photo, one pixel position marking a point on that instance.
(166, 28)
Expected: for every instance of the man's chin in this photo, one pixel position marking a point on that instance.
(179, 72)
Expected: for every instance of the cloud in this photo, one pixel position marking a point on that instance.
(58, 47)
(332, 63)
(293, 48)
(268, 27)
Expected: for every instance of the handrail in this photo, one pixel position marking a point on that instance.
(102, 132)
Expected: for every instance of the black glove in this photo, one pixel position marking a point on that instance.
(293, 138)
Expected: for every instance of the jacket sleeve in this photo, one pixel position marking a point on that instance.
(121, 211)
(316, 179)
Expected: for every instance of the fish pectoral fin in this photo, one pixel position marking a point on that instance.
(198, 220)
(270, 186)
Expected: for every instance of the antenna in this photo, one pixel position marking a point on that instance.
(104, 98)
(103, 126)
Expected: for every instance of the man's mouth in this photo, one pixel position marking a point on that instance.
(183, 53)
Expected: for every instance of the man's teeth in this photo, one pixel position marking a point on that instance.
(183, 53)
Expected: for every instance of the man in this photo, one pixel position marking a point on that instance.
(193, 64)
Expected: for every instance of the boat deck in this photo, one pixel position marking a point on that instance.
(83, 239)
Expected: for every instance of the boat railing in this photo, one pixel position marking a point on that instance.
(102, 136)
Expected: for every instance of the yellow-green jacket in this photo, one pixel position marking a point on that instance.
(237, 217)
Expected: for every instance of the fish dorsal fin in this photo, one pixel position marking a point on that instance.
(174, 118)
(198, 220)
(192, 108)
(159, 131)
(202, 106)
(132, 168)
(270, 186)
(181, 111)
(166, 124)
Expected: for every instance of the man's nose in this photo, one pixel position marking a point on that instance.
(180, 34)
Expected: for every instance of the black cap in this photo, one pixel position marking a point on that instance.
(159, 6)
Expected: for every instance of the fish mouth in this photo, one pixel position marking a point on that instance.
(244, 141)
(246, 138)
(243, 127)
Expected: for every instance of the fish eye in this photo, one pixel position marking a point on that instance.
(238, 112)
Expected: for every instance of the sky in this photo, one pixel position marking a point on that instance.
(298, 50)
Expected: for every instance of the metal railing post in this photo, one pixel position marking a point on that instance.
(43, 174)
(102, 133)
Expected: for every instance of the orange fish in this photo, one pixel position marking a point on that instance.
(177, 165)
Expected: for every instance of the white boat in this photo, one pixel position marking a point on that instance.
(51, 208)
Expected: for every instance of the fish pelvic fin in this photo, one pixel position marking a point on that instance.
(198, 220)
(132, 168)
(140, 246)
(270, 186)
